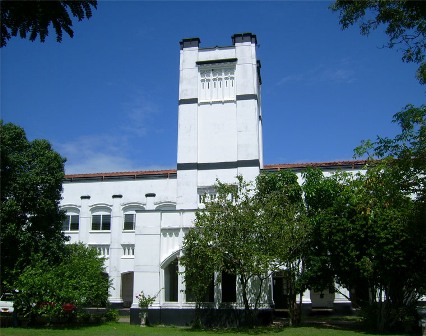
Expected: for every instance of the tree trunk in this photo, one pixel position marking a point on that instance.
(294, 311)
(247, 311)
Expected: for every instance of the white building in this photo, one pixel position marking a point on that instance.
(138, 219)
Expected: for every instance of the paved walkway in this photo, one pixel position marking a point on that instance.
(124, 319)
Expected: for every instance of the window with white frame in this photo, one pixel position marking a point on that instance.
(129, 216)
(128, 250)
(71, 222)
(101, 222)
(217, 84)
(129, 222)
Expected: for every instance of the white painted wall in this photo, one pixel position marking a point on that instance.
(216, 132)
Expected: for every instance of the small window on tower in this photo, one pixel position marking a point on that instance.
(217, 84)
(206, 194)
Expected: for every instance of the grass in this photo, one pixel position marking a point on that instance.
(317, 328)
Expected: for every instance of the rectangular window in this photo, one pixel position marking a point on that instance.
(229, 290)
(129, 222)
(217, 84)
(71, 223)
(208, 295)
(101, 222)
(206, 194)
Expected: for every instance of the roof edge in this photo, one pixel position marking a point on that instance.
(171, 172)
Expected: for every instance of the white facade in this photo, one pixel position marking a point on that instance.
(138, 219)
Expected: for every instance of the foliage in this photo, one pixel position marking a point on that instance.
(406, 153)
(370, 227)
(227, 237)
(112, 315)
(282, 213)
(35, 17)
(248, 232)
(144, 301)
(79, 280)
(31, 182)
(319, 194)
(405, 23)
(403, 163)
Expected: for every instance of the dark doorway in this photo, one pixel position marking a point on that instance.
(229, 290)
(280, 290)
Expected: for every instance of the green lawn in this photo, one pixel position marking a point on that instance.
(124, 329)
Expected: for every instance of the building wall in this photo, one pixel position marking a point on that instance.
(219, 137)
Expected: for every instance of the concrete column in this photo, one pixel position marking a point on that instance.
(181, 269)
(85, 220)
(306, 297)
(147, 256)
(115, 251)
(306, 302)
(150, 197)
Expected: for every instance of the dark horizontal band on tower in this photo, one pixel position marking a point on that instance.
(188, 101)
(217, 61)
(247, 97)
(218, 165)
(238, 97)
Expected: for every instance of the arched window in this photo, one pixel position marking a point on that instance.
(101, 219)
(101, 222)
(71, 222)
(129, 222)
(166, 206)
(72, 219)
(129, 218)
(171, 281)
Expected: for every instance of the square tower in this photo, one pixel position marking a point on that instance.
(220, 119)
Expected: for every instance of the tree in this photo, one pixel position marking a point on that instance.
(35, 17)
(31, 186)
(367, 236)
(249, 232)
(406, 153)
(405, 23)
(402, 169)
(320, 193)
(283, 215)
(79, 279)
(227, 238)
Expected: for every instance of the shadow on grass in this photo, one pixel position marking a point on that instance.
(349, 323)
(245, 331)
(336, 323)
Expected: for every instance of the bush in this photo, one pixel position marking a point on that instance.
(111, 315)
(402, 319)
(77, 281)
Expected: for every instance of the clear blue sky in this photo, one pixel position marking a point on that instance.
(107, 99)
